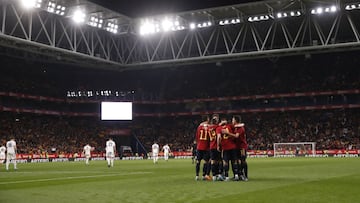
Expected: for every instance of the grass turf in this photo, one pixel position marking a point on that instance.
(270, 180)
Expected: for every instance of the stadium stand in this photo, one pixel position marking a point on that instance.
(37, 110)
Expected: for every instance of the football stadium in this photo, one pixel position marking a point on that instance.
(179, 101)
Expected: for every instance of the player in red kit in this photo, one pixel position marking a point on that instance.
(215, 154)
(227, 142)
(241, 145)
(202, 140)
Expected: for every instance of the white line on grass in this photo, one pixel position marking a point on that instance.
(73, 177)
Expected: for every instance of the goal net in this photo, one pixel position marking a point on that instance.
(294, 149)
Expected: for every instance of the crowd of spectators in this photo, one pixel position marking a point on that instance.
(38, 134)
(330, 129)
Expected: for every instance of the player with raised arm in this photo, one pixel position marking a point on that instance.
(2, 154)
(110, 149)
(166, 150)
(155, 152)
(202, 148)
(87, 153)
(11, 153)
(227, 142)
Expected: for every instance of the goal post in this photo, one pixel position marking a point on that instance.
(294, 149)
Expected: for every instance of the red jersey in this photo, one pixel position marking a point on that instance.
(213, 137)
(227, 142)
(202, 137)
(241, 140)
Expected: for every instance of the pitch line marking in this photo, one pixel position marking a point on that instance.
(70, 178)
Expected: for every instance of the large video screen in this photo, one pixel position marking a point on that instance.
(116, 111)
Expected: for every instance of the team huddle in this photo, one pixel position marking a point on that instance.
(220, 143)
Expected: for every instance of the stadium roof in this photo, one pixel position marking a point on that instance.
(143, 8)
(256, 31)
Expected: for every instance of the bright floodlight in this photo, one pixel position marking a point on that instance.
(28, 4)
(96, 22)
(352, 7)
(333, 9)
(148, 27)
(319, 10)
(79, 16)
(112, 27)
(192, 26)
(166, 25)
(56, 8)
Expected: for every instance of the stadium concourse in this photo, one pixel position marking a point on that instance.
(290, 99)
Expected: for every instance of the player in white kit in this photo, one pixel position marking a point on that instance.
(11, 153)
(155, 152)
(166, 150)
(87, 153)
(110, 152)
(2, 154)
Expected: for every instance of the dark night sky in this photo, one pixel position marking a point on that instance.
(141, 8)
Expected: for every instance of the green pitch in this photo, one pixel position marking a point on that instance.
(270, 180)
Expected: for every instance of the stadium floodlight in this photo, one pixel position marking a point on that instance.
(163, 24)
(29, 4)
(96, 22)
(350, 7)
(235, 21)
(112, 27)
(149, 27)
(204, 24)
(288, 14)
(295, 13)
(58, 9)
(79, 16)
(223, 22)
(167, 24)
(177, 26)
(229, 21)
(321, 10)
(258, 18)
